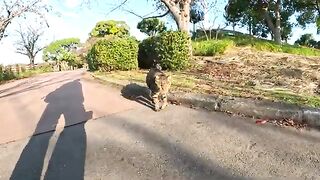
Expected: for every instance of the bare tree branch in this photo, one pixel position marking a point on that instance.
(28, 42)
(144, 17)
(158, 16)
(158, 8)
(11, 10)
(132, 12)
(117, 7)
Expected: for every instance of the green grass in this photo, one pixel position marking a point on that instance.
(292, 98)
(213, 47)
(194, 83)
(180, 81)
(28, 73)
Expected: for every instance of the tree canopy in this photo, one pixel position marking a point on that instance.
(262, 17)
(308, 40)
(110, 27)
(28, 43)
(196, 13)
(308, 11)
(62, 50)
(151, 26)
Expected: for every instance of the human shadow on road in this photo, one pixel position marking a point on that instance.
(68, 157)
(137, 93)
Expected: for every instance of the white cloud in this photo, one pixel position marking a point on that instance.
(8, 54)
(59, 28)
(72, 3)
(70, 15)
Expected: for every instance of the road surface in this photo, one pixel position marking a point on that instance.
(62, 126)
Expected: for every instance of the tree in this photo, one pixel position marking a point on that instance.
(262, 16)
(308, 12)
(196, 15)
(110, 27)
(151, 26)
(304, 40)
(308, 40)
(28, 43)
(11, 10)
(235, 11)
(62, 50)
(180, 11)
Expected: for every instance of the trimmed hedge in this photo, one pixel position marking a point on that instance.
(113, 53)
(170, 48)
(147, 53)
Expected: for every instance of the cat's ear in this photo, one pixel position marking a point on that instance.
(157, 79)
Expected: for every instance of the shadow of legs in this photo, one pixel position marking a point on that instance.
(68, 158)
(31, 160)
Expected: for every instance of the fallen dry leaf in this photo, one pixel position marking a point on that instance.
(260, 121)
(289, 123)
(174, 102)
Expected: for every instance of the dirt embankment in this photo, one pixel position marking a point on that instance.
(248, 73)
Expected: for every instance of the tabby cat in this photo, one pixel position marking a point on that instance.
(159, 84)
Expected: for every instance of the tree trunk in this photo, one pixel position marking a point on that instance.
(183, 22)
(31, 58)
(205, 33)
(180, 12)
(277, 32)
(194, 31)
(217, 32)
(276, 29)
(250, 27)
(234, 27)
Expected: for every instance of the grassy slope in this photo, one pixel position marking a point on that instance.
(247, 68)
(246, 72)
(205, 48)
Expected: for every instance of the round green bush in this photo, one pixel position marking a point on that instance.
(173, 50)
(113, 53)
(170, 48)
(147, 53)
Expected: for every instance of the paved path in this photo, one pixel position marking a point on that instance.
(133, 142)
(24, 102)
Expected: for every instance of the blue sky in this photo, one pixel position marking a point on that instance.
(70, 18)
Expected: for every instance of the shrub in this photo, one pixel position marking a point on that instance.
(170, 48)
(8, 74)
(211, 47)
(45, 68)
(113, 53)
(173, 50)
(147, 52)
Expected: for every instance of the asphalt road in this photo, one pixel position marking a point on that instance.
(62, 126)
